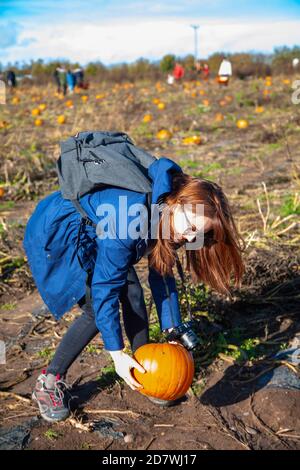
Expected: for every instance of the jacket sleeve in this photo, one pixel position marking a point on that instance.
(168, 309)
(110, 275)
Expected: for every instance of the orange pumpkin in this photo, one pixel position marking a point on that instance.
(169, 370)
(193, 140)
(164, 134)
(16, 100)
(38, 122)
(259, 109)
(69, 104)
(242, 124)
(219, 117)
(61, 119)
(147, 118)
(36, 112)
(161, 106)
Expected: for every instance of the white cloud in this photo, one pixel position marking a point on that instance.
(117, 41)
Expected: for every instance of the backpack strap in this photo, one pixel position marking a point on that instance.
(85, 220)
(83, 214)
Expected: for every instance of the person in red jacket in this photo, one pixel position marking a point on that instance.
(178, 72)
(206, 71)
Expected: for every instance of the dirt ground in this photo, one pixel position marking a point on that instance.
(228, 405)
(230, 412)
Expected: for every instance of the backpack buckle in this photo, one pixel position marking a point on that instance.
(87, 221)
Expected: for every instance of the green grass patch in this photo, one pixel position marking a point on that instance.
(52, 435)
(9, 306)
(108, 376)
(291, 205)
(188, 163)
(155, 333)
(4, 206)
(93, 349)
(206, 170)
(46, 353)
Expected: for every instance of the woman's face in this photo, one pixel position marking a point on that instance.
(187, 224)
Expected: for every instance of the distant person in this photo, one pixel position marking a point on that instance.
(225, 72)
(198, 66)
(11, 79)
(79, 77)
(70, 81)
(206, 71)
(56, 79)
(178, 72)
(296, 62)
(61, 77)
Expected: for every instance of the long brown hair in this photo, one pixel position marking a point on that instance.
(221, 254)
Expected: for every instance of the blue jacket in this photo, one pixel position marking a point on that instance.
(50, 244)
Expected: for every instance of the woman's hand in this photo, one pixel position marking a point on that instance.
(123, 365)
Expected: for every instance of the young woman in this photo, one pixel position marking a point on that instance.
(52, 244)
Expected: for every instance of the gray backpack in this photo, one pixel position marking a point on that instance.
(92, 160)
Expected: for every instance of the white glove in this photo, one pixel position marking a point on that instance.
(123, 365)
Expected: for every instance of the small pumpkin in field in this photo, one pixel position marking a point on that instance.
(192, 140)
(164, 134)
(69, 104)
(4, 124)
(42, 106)
(169, 370)
(2, 191)
(219, 117)
(268, 81)
(161, 106)
(147, 118)
(286, 81)
(61, 119)
(38, 122)
(259, 109)
(84, 98)
(242, 124)
(36, 112)
(15, 100)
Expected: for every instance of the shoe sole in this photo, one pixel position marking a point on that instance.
(45, 417)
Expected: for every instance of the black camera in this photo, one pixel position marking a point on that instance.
(185, 335)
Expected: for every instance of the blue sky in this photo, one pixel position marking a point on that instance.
(114, 31)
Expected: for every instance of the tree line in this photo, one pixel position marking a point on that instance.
(245, 64)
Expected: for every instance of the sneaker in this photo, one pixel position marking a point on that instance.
(49, 393)
(164, 403)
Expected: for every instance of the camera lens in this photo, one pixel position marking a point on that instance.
(189, 339)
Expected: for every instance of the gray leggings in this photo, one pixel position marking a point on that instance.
(84, 329)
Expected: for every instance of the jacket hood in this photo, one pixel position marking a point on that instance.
(160, 171)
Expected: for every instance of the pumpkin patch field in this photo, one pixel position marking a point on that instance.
(245, 137)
